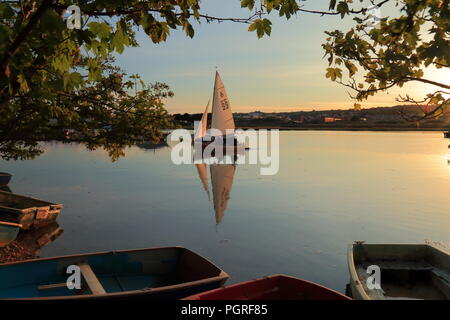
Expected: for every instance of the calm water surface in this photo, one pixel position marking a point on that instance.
(332, 188)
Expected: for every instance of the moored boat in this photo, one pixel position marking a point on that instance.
(407, 271)
(447, 134)
(157, 273)
(27, 211)
(222, 121)
(4, 178)
(275, 287)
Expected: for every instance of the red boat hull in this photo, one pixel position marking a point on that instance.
(276, 287)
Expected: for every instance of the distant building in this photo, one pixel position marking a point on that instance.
(331, 119)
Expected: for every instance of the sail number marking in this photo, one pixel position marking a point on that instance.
(224, 104)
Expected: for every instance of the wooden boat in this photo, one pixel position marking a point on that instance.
(408, 271)
(28, 212)
(276, 287)
(158, 273)
(4, 178)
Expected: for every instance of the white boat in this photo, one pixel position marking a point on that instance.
(222, 120)
(407, 271)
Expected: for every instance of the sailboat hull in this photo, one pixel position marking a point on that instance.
(235, 146)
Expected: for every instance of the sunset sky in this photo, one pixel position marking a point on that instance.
(283, 72)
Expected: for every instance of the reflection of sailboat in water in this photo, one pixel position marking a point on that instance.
(203, 175)
(222, 181)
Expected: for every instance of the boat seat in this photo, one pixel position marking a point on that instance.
(401, 265)
(91, 279)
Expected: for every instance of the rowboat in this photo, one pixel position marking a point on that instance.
(407, 271)
(4, 178)
(26, 211)
(275, 287)
(156, 273)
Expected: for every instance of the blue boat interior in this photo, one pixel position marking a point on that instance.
(117, 272)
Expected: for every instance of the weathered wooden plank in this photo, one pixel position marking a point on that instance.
(52, 286)
(5, 223)
(91, 279)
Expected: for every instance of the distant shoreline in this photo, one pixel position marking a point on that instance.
(346, 129)
(325, 128)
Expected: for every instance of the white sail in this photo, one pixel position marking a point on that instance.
(203, 175)
(222, 117)
(201, 129)
(222, 180)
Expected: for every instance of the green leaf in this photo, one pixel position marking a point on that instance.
(342, 8)
(253, 26)
(333, 73)
(332, 4)
(23, 83)
(6, 12)
(248, 3)
(261, 27)
(100, 29)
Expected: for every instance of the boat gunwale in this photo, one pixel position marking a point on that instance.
(278, 275)
(47, 203)
(221, 277)
(355, 281)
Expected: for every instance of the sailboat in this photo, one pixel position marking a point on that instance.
(222, 117)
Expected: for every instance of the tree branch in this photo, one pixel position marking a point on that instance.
(334, 13)
(429, 82)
